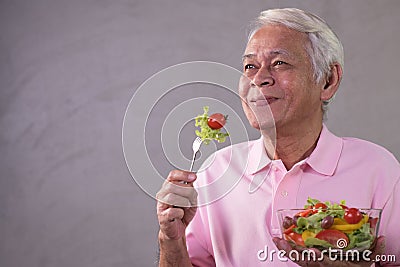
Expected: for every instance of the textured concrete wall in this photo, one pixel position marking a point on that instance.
(68, 71)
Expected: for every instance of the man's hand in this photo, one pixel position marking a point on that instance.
(176, 204)
(176, 207)
(378, 249)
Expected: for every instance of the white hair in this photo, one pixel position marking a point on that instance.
(325, 47)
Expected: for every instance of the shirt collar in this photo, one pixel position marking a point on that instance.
(323, 159)
(258, 157)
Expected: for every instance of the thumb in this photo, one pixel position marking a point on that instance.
(380, 246)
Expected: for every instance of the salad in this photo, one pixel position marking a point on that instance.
(331, 225)
(210, 126)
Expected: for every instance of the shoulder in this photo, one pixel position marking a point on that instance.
(370, 160)
(360, 148)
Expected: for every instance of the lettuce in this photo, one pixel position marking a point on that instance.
(312, 242)
(206, 133)
(361, 238)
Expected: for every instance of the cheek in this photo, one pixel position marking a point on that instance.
(243, 92)
(285, 83)
(251, 117)
(247, 110)
(292, 83)
(244, 87)
(295, 89)
(243, 96)
(287, 87)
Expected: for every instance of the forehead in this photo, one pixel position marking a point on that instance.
(271, 39)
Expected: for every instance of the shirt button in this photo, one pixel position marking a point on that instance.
(284, 193)
(275, 169)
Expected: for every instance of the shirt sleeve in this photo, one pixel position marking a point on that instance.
(196, 235)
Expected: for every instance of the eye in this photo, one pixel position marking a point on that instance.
(279, 62)
(249, 66)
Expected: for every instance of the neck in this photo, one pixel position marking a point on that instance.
(292, 145)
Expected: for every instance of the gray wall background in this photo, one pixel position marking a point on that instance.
(68, 70)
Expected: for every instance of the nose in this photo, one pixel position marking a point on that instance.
(262, 78)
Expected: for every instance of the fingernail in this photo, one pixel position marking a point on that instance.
(191, 176)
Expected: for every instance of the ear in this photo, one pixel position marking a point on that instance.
(332, 83)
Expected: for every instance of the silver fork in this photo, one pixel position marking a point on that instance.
(195, 146)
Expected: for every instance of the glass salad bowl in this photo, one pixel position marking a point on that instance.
(323, 225)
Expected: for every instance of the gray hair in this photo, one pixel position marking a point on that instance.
(325, 47)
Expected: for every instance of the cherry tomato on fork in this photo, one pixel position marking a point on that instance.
(216, 121)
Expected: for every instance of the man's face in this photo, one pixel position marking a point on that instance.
(280, 80)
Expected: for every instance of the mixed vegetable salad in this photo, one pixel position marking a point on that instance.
(210, 126)
(330, 225)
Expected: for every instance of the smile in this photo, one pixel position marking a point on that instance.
(264, 101)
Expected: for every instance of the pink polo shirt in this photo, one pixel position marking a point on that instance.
(240, 190)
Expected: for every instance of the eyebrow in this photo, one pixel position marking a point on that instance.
(273, 53)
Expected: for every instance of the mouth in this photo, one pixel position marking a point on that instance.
(264, 101)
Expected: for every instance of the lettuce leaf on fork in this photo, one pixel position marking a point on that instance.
(206, 133)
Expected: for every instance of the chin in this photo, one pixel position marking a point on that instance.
(262, 126)
(267, 126)
(255, 125)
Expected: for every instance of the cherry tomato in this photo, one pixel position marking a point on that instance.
(353, 216)
(295, 238)
(216, 121)
(332, 236)
(344, 207)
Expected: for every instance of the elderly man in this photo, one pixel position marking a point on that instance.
(292, 68)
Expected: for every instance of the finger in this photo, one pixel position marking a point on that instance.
(181, 176)
(171, 214)
(175, 200)
(379, 247)
(171, 224)
(184, 191)
(300, 257)
(282, 244)
(169, 190)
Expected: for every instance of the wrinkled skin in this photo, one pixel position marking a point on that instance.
(176, 204)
